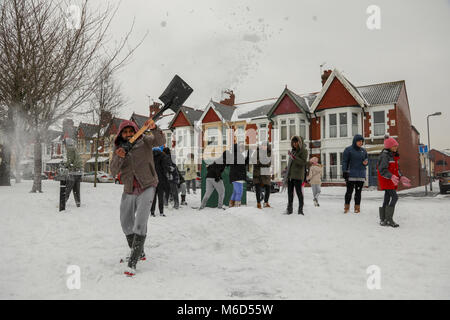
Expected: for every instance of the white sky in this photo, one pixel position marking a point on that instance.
(256, 47)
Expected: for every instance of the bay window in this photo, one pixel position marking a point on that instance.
(333, 125)
(354, 124)
(342, 124)
(212, 136)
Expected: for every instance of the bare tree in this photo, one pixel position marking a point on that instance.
(106, 104)
(50, 65)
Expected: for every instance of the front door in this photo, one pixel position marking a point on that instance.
(373, 178)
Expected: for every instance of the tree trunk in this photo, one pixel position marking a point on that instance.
(5, 161)
(18, 165)
(37, 183)
(96, 164)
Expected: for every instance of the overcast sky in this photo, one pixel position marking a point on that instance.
(256, 47)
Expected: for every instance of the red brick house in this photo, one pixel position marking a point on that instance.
(440, 160)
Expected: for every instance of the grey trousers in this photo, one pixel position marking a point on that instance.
(316, 191)
(182, 189)
(135, 210)
(211, 184)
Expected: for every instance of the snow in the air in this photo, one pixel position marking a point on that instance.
(239, 253)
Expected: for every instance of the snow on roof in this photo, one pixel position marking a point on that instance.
(164, 121)
(252, 110)
(446, 152)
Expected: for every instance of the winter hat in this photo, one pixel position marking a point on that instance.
(314, 160)
(390, 142)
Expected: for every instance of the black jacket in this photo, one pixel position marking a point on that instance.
(238, 169)
(161, 161)
(214, 170)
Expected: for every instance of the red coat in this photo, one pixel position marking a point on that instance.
(387, 166)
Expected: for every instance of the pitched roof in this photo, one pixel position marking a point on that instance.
(381, 93)
(138, 119)
(225, 111)
(192, 115)
(305, 101)
(89, 130)
(253, 109)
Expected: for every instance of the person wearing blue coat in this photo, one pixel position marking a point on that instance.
(354, 165)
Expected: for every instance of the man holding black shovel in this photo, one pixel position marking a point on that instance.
(140, 179)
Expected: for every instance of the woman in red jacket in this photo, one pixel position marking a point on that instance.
(389, 176)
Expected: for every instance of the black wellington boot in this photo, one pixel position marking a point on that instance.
(300, 211)
(136, 251)
(289, 208)
(130, 239)
(382, 211)
(389, 217)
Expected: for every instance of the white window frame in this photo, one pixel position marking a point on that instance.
(263, 132)
(335, 125)
(208, 136)
(379, 123)
(341, 125)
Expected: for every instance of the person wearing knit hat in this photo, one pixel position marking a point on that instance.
(354, 163)
(389, 176)
(315, 178)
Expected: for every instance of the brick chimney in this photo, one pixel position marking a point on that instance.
(154, 108)
(230, 100)
(325, 75)
(68, 128)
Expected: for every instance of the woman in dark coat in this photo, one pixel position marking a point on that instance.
(262, 174)
(295, 174)
(354, 163)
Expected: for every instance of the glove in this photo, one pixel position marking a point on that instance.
(345, 174)
(291, 155)
(405, 181)
(395, 180)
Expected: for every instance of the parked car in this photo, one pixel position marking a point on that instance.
(444, 181)
(274, 186)
(101, 177)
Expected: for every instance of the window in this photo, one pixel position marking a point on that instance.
(379, 123)
(292, 128)
(224, 136)
(441, 163)
(354, 124)
(324, 162)
(323, 127)
(192, 137)
(169, 139)
(303, 129)
(240, 134)
(283, 129)
(182, 137)
(87, 146)
(341, 156)
(343, 124)
(333, 165)
(213, 136)
(333, 126)
(262, 133)
(283, 164)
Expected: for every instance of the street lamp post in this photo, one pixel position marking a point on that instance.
(429, 147)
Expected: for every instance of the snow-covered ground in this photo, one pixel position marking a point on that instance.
(240, 253)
